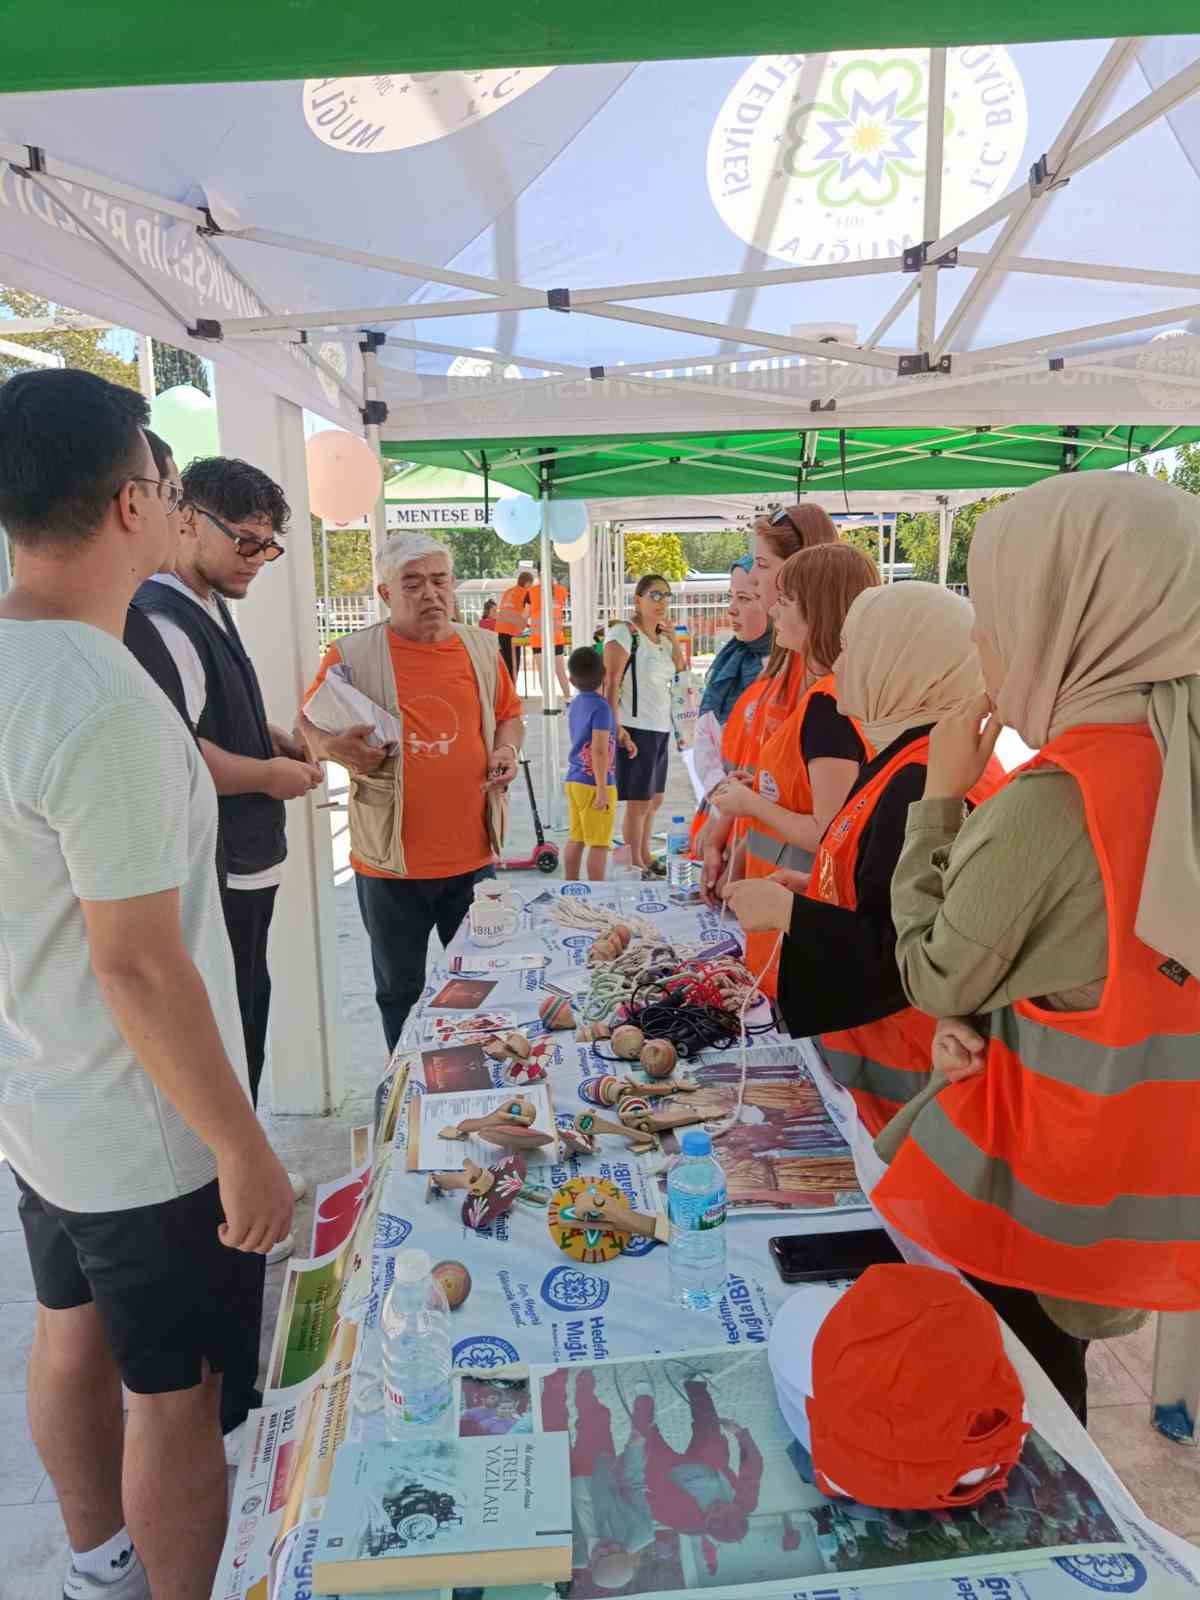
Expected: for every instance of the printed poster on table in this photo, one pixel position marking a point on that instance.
(431, 1114)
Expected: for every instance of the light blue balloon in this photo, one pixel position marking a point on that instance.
(517, 519)
(568, 520)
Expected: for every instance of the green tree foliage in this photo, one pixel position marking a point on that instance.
(1187, 468)
(477, 553)
(713, 552)
(917, 539)
(89, 349)
(349, 560)
(655, 552)
(173, 367)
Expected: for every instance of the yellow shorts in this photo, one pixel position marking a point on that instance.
(589, 826)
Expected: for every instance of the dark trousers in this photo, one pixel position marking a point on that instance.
(399, 914)
(248, 918)
(248, 921)
(1061, 1356)
(507, 653)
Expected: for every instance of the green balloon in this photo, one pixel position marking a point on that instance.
(187, 420)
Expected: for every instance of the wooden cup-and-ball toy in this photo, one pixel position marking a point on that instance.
(627, 1041)
(638, 1140)
(657, 1058)
(636, 1111)
(607, 1090)
(455, 1281)
(510, 1127)
(555, 1012)
(591, 1221)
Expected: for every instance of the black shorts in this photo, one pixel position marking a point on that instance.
(558, 649)
(168, 1293)
(643, 776)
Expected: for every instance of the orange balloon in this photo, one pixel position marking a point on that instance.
(344, 476)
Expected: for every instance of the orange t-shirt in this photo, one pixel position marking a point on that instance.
(445, 761)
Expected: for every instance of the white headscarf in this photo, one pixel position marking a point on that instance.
(1088, 589)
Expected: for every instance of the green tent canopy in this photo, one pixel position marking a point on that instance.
(776, 465)
(104, 42)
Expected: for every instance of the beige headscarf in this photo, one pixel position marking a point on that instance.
(1088, 589)
(908, 659)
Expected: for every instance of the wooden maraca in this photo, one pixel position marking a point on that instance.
(589, 1124)
(510, 1127)
(590, 1220)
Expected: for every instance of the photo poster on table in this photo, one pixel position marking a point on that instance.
(428, 1151)
(476, 1027)
(687, 1481)
(785, 1153)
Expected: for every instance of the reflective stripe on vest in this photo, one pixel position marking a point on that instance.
(768, 847)
(1071, 1165)
(893, 1084)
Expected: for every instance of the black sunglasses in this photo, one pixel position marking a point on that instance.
(268, 549)
(779, 516)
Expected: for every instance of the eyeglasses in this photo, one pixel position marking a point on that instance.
(169, 493)
(268, 549)
(656, 594)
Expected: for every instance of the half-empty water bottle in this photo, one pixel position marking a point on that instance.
(417, 1357)
(679, 861)
(696, 1209)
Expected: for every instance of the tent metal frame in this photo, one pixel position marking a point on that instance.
(932, 364)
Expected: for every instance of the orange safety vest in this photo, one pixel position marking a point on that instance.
(1071, 1165)
(510, 613)
(782, 776)
(535, 615)
(883, 1064)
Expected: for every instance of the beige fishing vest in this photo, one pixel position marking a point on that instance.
(377, 798)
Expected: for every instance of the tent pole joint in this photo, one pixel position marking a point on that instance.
(1042, 180)
(917, 256)
(597, 374)
(822, 405)
(913, 366)
(372, 342)
(558, 300)
(37, 158)
(208, 329)
(374, 413)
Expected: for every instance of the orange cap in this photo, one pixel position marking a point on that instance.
(912, 1392)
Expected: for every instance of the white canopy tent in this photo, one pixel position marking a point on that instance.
(507, 261)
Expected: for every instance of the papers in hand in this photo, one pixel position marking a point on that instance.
(337, 705)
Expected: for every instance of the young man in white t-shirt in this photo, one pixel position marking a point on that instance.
(147, 1186)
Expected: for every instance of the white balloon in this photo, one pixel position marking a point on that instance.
(572, 552)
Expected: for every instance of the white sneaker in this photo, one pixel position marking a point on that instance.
(282, 1250)
(133, 1584)
(299, 1185)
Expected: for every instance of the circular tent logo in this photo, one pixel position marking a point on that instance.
(1174, 353)
(370, 116)
(821, 159)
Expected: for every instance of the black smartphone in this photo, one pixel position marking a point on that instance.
(826, 1257)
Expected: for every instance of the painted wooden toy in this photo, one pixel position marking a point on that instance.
(638, 1140)
(590, 1220)
(509, 1127)
(574, 1143)
(658, 1058)
(637, 1111)
(518, 1072)
(607, 1090)
(455, 1281)
(490, 1191)
(627, 1041)
(555, 1011)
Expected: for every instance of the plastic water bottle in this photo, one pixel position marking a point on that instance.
(679, 862)
(696, 1210)
(417, 1360)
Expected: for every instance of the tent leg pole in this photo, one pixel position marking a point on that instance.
(146, 367)
(879, 538)
(945, 527)
(892, 557)
(370, 362)
(551, 788)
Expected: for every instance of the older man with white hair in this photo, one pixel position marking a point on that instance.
(427, 822)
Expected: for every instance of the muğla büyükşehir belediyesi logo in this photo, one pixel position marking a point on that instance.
(821, 159)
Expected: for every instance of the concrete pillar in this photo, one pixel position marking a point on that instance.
(306, 1058)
